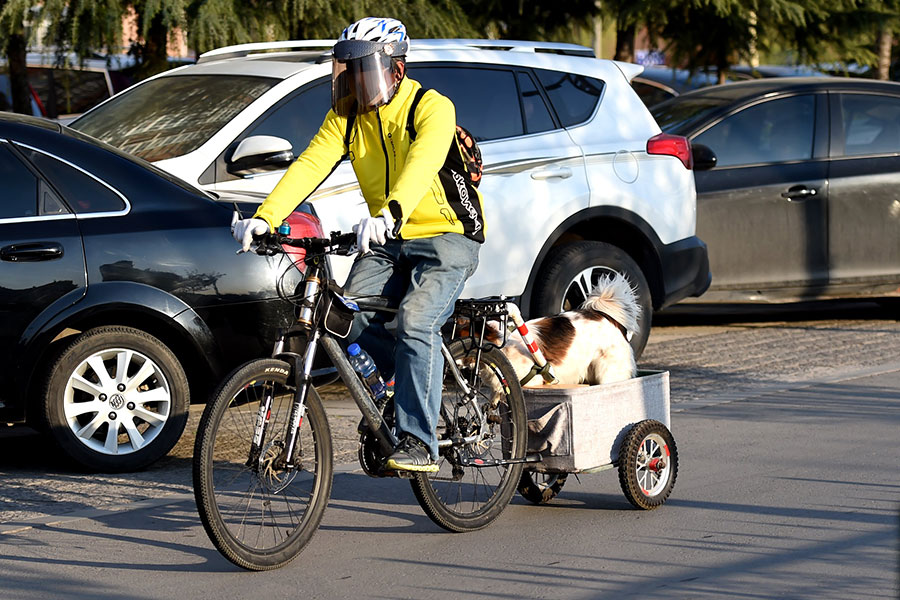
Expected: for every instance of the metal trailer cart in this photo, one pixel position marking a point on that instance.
(588, 429)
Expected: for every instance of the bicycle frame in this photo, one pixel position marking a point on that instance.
(302, 369)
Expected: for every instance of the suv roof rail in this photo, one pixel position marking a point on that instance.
(509, 45)
(242, 50)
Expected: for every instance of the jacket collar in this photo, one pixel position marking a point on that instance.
(395, 109)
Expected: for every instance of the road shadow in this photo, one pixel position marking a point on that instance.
(687, 314)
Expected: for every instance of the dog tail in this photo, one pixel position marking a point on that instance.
(614, 297)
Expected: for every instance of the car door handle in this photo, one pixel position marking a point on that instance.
(799, 192)
(31, 252)
(561, 172)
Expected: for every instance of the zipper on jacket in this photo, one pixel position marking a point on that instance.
(387, 163)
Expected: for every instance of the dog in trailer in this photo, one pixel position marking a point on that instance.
(586, 345)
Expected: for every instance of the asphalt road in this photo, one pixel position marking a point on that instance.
(786, 423)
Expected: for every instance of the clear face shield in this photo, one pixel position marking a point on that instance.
(365, 82)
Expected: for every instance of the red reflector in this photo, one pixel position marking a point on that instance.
(672, 145)
(302, 225)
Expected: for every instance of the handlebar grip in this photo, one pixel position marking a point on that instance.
(343, 239)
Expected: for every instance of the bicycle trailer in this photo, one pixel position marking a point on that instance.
(588, 429)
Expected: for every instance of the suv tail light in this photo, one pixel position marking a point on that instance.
(672, 145)
(302, 224)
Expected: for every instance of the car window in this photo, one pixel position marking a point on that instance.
(19, 198)
(774, 131)
(298, 118)
(650, 94)
(68, 91)
(574, 97)
(486, 100)
(173, 115)
(83, 193)
(537, 115)
(871, 124)
(677, 115)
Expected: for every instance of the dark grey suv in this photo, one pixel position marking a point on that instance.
(798, 185)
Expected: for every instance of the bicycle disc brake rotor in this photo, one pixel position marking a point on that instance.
(467, 425)
(271, 468)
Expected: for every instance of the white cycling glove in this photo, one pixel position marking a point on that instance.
(374, 230)
(243, 230)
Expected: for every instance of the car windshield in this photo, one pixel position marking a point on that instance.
(171, 116)
(676, 114)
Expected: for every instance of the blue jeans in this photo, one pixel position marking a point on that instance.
(425, 276)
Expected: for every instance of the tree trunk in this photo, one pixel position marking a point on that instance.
(155, 53)
(625, 43)
(885, 40)
(598, 31)
(16, 49)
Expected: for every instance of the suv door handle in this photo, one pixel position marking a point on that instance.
(31, 252)
(798, 192)
(561, 172)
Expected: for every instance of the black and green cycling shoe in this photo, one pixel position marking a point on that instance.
(411, 455)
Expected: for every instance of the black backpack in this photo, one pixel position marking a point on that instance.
(471, 153)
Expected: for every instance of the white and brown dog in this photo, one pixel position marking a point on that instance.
(588, 344)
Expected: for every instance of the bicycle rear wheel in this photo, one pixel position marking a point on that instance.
(259, 514)
(474, 485)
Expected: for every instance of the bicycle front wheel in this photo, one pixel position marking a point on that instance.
(477, 479)
(259, 513)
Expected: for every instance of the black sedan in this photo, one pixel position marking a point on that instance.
(121, 297)
(798, 186)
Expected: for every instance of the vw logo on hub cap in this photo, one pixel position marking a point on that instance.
(117, 401)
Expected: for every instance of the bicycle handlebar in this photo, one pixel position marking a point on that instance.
(340, 243)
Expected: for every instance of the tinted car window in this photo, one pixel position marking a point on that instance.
(19, 198)
(774, 131)
(68, 91)
(537, 115)
(574, 97)
(871, 124)
(487, 116)
(297, 119)
(677, 115)
(649, 94)
(84, 193)
(171, 116)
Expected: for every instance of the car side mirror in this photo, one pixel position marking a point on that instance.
(704, 158)
(259, 154)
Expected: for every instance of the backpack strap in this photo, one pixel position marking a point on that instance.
(351, 120)
(410, 126)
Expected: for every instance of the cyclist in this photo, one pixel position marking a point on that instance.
(425, 227)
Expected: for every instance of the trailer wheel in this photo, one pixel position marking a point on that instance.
(648, 464)
(541, 488)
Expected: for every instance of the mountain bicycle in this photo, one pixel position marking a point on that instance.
(262, 466)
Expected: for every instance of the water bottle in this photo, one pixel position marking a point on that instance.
(366, 368)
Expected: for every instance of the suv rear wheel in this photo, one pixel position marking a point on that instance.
(116, 399)
(571, 271)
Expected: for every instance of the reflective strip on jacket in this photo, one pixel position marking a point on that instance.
(390, 168)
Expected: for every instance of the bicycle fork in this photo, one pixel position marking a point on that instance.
(302, 366)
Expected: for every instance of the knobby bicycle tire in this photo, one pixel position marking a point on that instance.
(260, 516)
(465, 498)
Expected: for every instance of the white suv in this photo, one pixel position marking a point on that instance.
(578, 178)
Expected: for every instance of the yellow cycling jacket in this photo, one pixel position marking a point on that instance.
(421, 182)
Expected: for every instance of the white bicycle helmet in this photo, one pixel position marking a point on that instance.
(362, 76)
